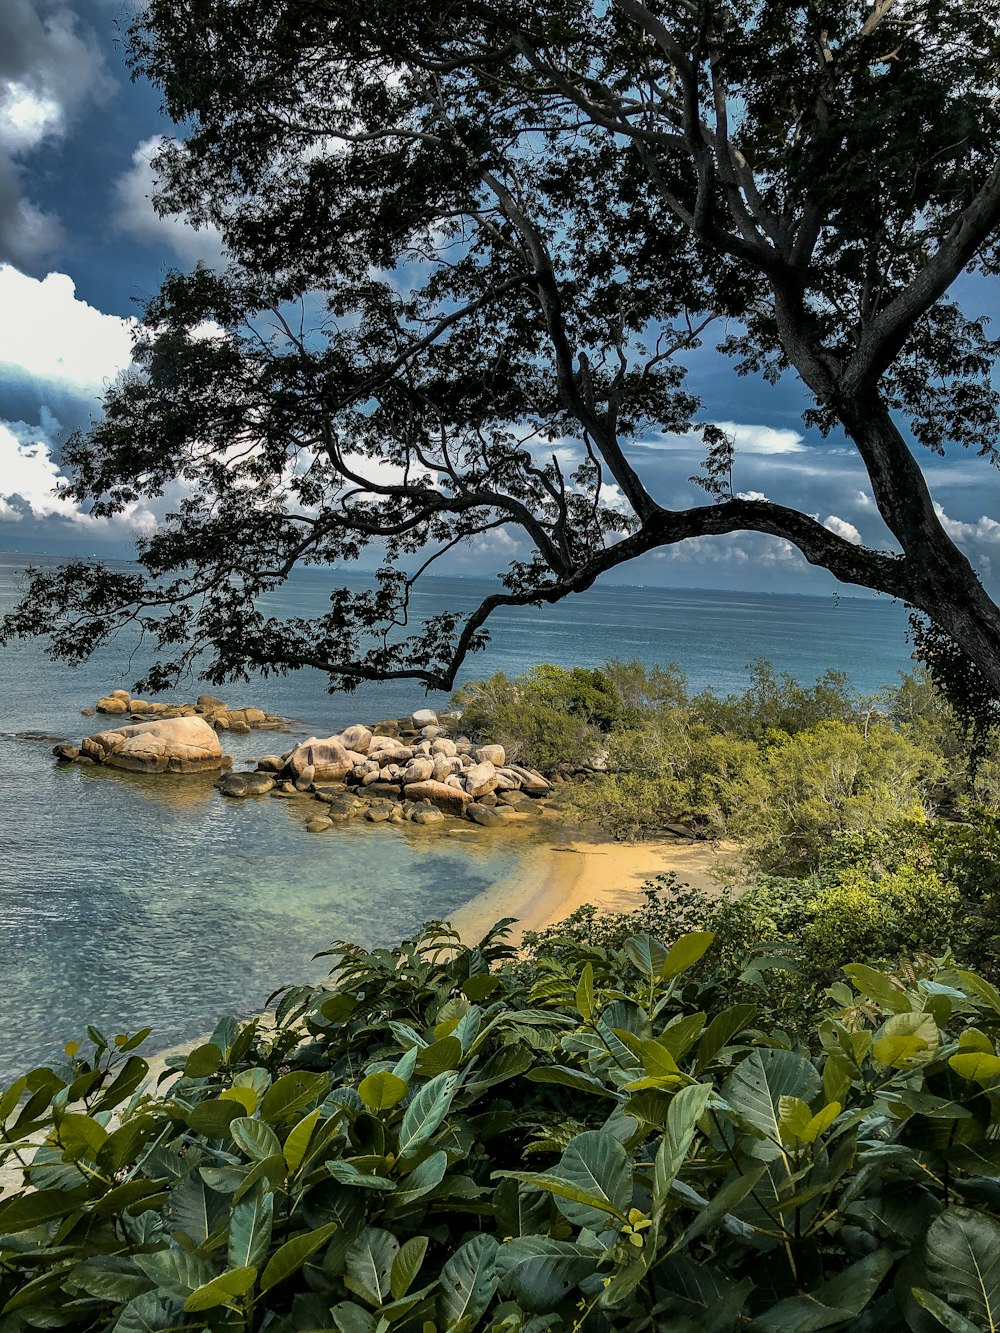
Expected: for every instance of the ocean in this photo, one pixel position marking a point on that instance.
(130, 901)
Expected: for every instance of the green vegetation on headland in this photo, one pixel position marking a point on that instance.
(775, 1107)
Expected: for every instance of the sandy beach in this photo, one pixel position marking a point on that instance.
(557, 877)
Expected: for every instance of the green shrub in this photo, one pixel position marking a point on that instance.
(439, 1142)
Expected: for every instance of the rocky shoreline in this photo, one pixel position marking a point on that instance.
(419, 769)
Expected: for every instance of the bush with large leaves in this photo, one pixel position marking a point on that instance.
(440, 1140)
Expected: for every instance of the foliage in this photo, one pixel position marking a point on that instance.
(438, 1141)
(470, 249)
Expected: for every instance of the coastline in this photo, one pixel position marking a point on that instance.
(557, 877)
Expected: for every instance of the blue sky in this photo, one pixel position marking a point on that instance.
(80, 243)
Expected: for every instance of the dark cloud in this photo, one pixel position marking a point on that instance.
(50, 65)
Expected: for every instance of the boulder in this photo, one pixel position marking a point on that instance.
(419, 769)
(271, 763)
(479, 779)
(305, 778)
(171, 745)
(66, 753)
(399, 755)
(356, 738)
(444, 767)
(87, 712)
(428, 815)
(431, 733)
(449, 799)
(383, 789)
(120, 694)
(327, 758)
(112, 705)
(491, 754)
(490, 799)
(343, 808)
(531, 782)
(480, 814)
(424, 717)
(318, 824)
(246, 784)
(443, 746)
(379, 811)
(208, 703)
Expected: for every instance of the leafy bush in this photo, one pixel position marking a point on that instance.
(523, 716)
(442, 1141)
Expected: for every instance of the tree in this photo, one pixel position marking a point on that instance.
(464, 233)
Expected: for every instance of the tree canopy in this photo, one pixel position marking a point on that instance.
(471, 240)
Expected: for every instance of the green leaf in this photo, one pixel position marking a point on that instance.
(585, 994)
(297, 1140)
(440, 1056)
(203, 1061)
(907, 1040)
(425, 1112)
(23, 1211)
(368, 1263)
(348, 1174)
(878, 987)
(176, 1270)
(468, 1282)
(570, 1078)
(541, 1272)
(213, 1118)
(946, 1316)
(290, 1093)
(981, 989)
(257, 1140)
(685, 952)
(222, 1290)
(195, 1209)
(962, 1256)
(597, 1165)
(646, 954)
(834, 1304)
(250, 1230)
(422, 1179)
(112, 1277)
(686, 1109)
(756, 1086)
(978, 1066)
(406, 1266)
(381, 1091)
(293, 1254)
(722, 1029)
(148, 1313)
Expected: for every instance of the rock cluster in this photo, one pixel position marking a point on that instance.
(119, 703)
(165, 745)
(412, 769)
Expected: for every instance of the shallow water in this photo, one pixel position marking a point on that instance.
(129, 900)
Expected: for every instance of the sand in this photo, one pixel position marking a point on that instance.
(556, 878)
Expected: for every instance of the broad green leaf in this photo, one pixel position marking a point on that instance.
(878, 987)
(679, 1036)
(836, 1304)
(439, 1056)
(425, 1112)
(297, 1140)
(222, 1290)
(203, 1061)
(149, 1313)
(348, 1174)
(424, 1177)
(978, 1066)
(213, 1118)
(947, 1317)
(597, 1165)
(468, 1282)
(256, 1139)
(570, 1078)
(250, 1230)
(406, 1265)
(756, 1086)
(112, 1277)
(962, 1256)
(585, 994)
(646, 954)
(685, 952)
(541, 1272)
(381, 1091)
(176, 1270)
(686, 1109)
(981, 989)
(293, 1254)
(907, 1040)
(369, 1261)
(195, 1209)
(22, 1211)
(291, 1092)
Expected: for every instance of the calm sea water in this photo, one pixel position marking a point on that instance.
(127, 901)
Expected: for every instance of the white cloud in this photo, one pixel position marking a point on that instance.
(136, 216)
(842, 528)
(49, 67)
(750, 495)
(48, 334)
(985, 529)
(748, 439)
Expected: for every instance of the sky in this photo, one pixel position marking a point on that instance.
(81, 246)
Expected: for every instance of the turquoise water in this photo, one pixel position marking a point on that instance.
(127, 901)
